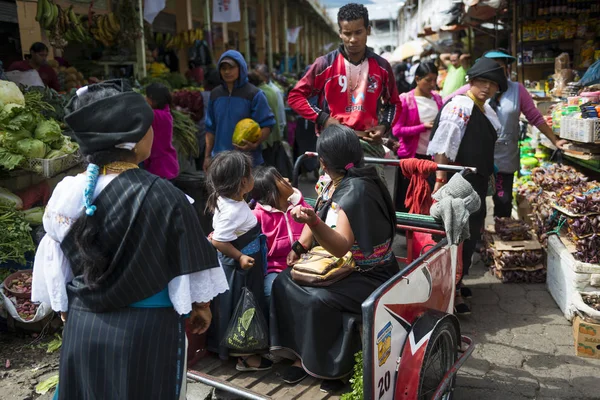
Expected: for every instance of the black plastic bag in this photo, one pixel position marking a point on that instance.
(247, 330)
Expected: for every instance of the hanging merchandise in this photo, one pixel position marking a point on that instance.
(292, 34)
(226, 11)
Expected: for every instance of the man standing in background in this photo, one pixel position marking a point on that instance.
(457, 64)
(355, 86)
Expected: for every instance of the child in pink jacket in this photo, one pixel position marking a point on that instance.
(275, 199)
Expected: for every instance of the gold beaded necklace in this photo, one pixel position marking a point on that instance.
(117, 167)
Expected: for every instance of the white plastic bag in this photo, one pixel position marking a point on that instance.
(27, 78)
(42, 312)
(579, 306)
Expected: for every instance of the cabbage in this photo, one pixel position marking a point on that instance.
(31, 148)
(9, 160)
(15, 118)
(48, 131)
(54, 154)
(9, 139)
(10, 199)
(10, 93)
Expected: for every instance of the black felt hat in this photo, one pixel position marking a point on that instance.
(105, 123)
(486, 68)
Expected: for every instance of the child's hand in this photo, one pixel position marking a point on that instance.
(292, 258)
(246, 262)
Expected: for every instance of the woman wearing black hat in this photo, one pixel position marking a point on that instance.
(125, 265)
(465, 132)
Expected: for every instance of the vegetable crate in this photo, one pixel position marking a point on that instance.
(585, 130)
(53, 167)
(587, 338)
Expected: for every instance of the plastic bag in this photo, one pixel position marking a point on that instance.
(27, 78)
(247, 331)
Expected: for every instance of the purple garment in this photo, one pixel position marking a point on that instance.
(408, 127)
(526, 104)
(163, 157)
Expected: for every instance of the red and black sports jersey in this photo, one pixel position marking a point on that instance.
(360, 101)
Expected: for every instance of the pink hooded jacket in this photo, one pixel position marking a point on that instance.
(409, 126)
(163, 156)
(281, 231)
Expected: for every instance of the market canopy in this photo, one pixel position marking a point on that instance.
(407, 50)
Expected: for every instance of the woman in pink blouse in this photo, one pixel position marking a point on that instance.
(420, 106)
(509, 106)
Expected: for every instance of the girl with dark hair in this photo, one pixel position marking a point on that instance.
(318, 326)
(128, 265)
(275, 199)
(419, 109)
(163, 156)
(242, 247)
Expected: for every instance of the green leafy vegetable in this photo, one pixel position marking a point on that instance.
(48, 384)
(15, 236)
(185, 140)
(31, 148)
(10, 199)
(55, 344)
(15, 118)
(9, 160)
(34, 216)
(48, 131)
(357, 380)
(10, 93)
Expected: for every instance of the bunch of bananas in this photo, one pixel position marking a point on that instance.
(72, 27)
(184, 39)
(47, 14)
(107, 28)
(157, 69)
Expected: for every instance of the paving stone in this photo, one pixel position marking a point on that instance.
(565, 350)
(484, 295)
(511, 380)
(198, 391)
(547, 366)
(552, 316)
(559, 334)
(475, 280)
(540, 299)
(507, 291)
(557, 388)
(501, 354)
(464, 393)
(517, 306)
(476, 365)
(586, 379)
(534, 343)
(534, 287)
(532, 329)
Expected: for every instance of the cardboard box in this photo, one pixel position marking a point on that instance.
(587, 338)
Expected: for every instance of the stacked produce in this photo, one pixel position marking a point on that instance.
(583, 198)
(25, 134)
(15, 233)
(185, 140)
(189, 101)
(68, 78)
(64, 26)
(512, 229)
(158, 69)
(516, 258)
(105, 28)
(18, 291)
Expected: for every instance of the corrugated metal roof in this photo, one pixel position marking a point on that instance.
(8, 12)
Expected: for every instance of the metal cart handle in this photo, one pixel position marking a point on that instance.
(380, 161)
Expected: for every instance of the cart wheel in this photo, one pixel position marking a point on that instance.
(441, 353)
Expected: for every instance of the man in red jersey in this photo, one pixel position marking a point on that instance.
(355, 86)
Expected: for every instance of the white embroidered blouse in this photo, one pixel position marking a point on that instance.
(52, 271)
(453, 125)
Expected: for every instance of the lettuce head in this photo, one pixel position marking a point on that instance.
(32, 148)
(10, 93)
(48, 131)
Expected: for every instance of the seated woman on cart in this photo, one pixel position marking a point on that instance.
(318, 326)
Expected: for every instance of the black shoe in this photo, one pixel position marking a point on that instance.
(293, 375)
(243, 365)
(332, 386)
(466, 292)
(462, 309)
